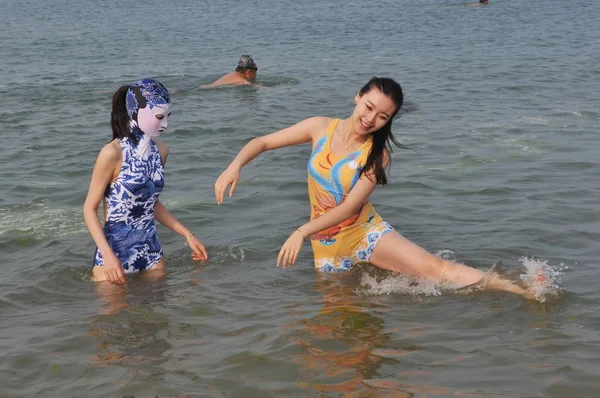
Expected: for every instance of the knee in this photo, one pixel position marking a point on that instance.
(443, 268)
(435, 268)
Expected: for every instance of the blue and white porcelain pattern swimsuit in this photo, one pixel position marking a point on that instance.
(130, 202)
(131, 199)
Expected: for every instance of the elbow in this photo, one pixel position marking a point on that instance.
(89, 209)
(86, 212)
(350, 209)
(86, 215)
(260, 144)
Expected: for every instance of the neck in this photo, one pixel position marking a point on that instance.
(144, 140)
(349, 134)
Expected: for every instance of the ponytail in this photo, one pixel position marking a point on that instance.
(119, 119)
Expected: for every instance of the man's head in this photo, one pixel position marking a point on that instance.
(247, 67)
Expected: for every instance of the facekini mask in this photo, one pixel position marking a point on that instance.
(148, 106)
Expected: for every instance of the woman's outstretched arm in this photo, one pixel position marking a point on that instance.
(299, 133)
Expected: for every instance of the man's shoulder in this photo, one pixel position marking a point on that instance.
(230, 78)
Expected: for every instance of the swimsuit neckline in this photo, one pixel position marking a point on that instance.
(331, 130)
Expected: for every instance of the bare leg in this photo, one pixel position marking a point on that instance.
(157, 271)
(112, 297)
(98, 274)
(396, 253)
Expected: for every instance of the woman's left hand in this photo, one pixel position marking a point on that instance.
(290, 249)
(199, 252)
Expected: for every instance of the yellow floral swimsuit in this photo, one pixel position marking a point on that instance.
(330, 179)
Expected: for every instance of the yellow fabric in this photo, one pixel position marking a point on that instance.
(330, 179)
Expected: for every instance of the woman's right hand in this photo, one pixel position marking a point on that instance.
(231, 176)
(113, 270)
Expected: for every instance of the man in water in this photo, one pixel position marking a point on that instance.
(245, 73)
(481, 3)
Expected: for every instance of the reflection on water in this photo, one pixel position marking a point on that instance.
(337, 344)
(247, 94)
(128, 328)
(347, 350)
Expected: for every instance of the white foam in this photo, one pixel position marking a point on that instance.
(41, 220)
(446, 254)
(236, 253)
(537, 121)
(233, 252)
(524, 143)
(398, 284)
(542, 279)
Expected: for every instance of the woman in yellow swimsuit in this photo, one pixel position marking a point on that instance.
(349, 159)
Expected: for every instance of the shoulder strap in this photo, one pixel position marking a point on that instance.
(331, 129)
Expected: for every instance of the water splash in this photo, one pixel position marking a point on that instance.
(376, 282)
(542, 280)
(373, 286)
(232, 253)
(236, 253)
(446, 254)
(273, 81)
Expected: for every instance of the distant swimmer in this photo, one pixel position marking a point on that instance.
(244, 74)
(481, 3)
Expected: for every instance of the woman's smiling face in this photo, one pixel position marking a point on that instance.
(372, 111)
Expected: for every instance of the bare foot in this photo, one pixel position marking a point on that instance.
(493, 281)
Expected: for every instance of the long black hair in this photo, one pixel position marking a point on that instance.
(382, 138)
(119, 118)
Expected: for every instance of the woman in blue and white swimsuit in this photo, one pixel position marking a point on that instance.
(128, 178)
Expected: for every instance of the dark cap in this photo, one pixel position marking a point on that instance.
(246, 62)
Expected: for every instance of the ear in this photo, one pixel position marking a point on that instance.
(356, 98)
